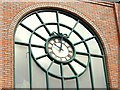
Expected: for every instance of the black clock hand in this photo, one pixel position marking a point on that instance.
(58, 47)
(61, 43)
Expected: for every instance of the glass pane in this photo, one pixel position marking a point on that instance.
(83, 31)
(52, 28)
(67, 72)
(21, 67)
(32, 22)
(37, 52)
(82, 58)
(84, 79)
(42, 31)
(55, 69)
(74, 38)
(38, 76)
(37, 41)
(66, 20)
(54, 82)
(98, 72)
(77, 67)
(64, 30)
(22, 35)
(44, 62)
(48, 17)
(70, 83)
(80, 48)
(93, 47)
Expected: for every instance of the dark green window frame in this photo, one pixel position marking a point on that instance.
(58, 24)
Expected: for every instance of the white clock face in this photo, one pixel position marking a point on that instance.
(60, 50)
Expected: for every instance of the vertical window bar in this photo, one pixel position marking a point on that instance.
(58, 25)
(30, 68)
(91, 73)
(47, 81)
(62, 79)
(105, 73)
(77, 83)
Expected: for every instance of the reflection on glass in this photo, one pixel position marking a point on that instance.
(85, 81)
(55, 69)
(37, 40)
(37, 52)
(21, 67)
(82, 58)
(67, 72)
(22, 35)
(70, 83)
(66, 20)
(77, 67)
(93, 47)
(81, 47)
(38, 77)
(83, 31)
(48, 17)
(74, 38)
(32, 22)
(54, 82)
(98, 72)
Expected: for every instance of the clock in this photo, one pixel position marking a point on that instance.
(60, 49)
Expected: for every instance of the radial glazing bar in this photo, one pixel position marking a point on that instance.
(43, 23)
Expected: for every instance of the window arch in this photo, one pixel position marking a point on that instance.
(55, 48)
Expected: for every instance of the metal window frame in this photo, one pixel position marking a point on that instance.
(88, 27)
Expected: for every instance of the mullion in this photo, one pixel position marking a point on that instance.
(47, 80)
(26, 44)
(82, 64)
(41, 57)
(27, 28)
(82, 53)
(77, 83)
(62, 79)
(43, 23)
(84, 40)
(95, 55)
(86, 54)
(50, 65)
(73, 28)
(30, 68)
(91, 73)
(58, 25)
(71, 67)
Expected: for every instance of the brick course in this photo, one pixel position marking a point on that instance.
(100, 15)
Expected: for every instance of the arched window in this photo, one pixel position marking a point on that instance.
(55, 48)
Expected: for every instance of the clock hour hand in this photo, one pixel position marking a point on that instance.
(61, 43)
(58, 47)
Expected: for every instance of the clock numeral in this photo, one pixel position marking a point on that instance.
(56, 40)
(69, 55)
(52, 42)
(64, 59)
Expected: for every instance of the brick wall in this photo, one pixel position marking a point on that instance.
(99, 15)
